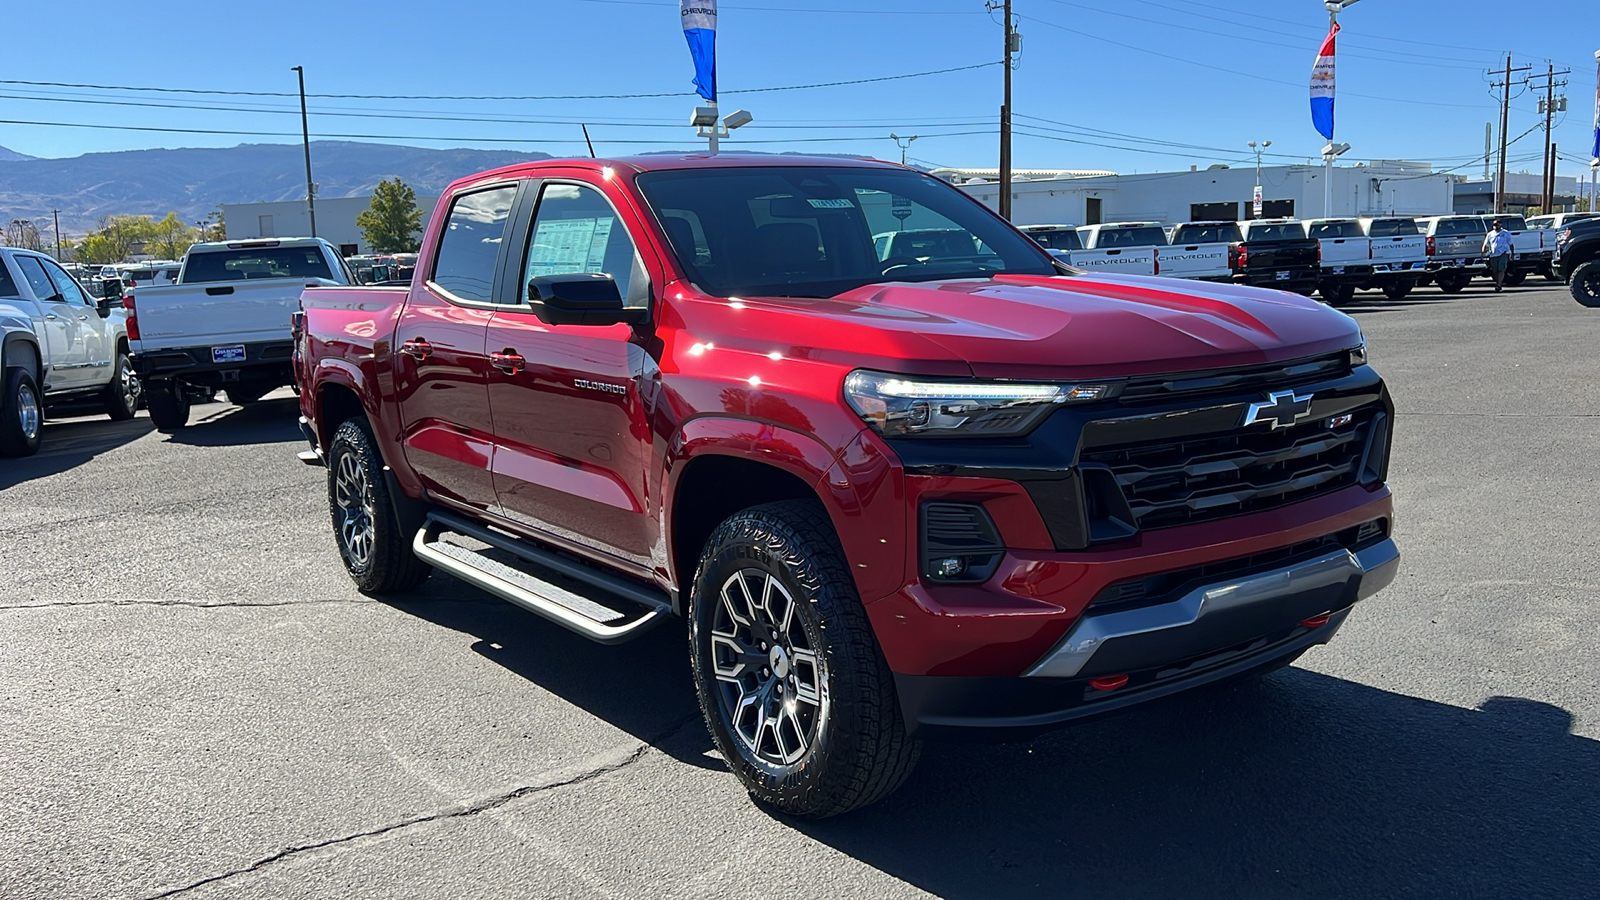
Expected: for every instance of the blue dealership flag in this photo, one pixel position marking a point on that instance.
(700, 27)
(1322, 87)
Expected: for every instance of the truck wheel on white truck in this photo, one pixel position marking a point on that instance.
(225, 324)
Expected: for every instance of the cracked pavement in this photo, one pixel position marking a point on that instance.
(195, 703)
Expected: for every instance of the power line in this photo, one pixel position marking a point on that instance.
(759, 90)
(785, 9)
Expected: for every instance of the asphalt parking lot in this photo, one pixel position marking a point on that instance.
(197, 703)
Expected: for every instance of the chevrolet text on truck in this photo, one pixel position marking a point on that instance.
(894, 498)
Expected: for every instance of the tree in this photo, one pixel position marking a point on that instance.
(114, 241)
(169, 238)
(393, 221)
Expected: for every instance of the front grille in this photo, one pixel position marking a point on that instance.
(1196, 479)
(1168, 586)
(1276, 376)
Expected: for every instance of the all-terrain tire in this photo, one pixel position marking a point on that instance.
(169, 406)
(374, 550)
(21, 415)
(780, 564)
(1586, 283)
(121, 396)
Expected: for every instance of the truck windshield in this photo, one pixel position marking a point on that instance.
(1220, 233)
(1322, 230)
(1392, 228)
(1056, 238)
(1150, 236)
(1288, 231)
(821, 231)
(256, 262)
(1457, 227)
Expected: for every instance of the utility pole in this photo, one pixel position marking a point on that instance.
(1013, 43)
(1547, 185)
(55, 215)
(1256, 198)
(305, 132)
(1505, 115)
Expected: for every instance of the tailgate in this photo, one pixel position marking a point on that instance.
(1345, 251)
(1122, 260)
(1193, 260)
(1282, 255)
(222, 312)
(1400, 247)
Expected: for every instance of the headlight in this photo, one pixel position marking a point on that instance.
(897, 406)
(1358, 354)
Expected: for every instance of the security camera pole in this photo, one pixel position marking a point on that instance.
(904, 144)
(1256, 198)
(700, 30)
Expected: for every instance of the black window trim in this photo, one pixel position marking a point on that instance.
(520, 187)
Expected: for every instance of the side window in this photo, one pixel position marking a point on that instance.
(576, 230)
(465, 263)
(34, 274)
(8, 285)
(66, 284)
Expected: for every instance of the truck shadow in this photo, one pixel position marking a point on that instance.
(222, 424)
(69, 444)
(1300, 785)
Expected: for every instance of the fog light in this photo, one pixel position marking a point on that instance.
(950, 567)
(1108, 682)
(1317, 621)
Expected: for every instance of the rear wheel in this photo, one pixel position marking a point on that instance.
(121, 397)
(1337, 293)
(244, 393)
(168, 403)
(1515, 279)
(375, 552)
(1453, 284)
(1397, 290)
(21, 415)
(1586, 283)
(794, 689)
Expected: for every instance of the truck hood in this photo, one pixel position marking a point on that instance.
(1084, 326)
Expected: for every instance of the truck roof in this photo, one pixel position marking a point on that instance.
(664, 161)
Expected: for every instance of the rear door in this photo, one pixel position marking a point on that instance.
(64, 335)
(441, 368)
(572, 440)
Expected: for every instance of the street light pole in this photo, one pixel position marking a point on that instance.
(1013, 43)
(55, 215)
(904, 143)
(305, 133)
(1256, 198)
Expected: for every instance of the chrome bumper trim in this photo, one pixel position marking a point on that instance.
(1363, 572)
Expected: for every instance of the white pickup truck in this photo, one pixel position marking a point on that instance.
(1198, 250)
(58, 345)
(225, 324)
(1060, 241)
(1455, 250)
(1532, 249)
(1344, 254)
(1399, 254)
(1122, 248)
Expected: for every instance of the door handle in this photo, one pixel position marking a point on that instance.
(418, 349)
(508, 361)
(83, 318)
(50, 317)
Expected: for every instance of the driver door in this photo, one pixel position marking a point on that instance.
(99, 338)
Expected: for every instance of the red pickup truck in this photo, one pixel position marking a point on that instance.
(966, 491)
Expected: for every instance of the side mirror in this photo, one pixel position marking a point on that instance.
(106, 305)
(580, 299)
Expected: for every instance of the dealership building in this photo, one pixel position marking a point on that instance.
(336, 220)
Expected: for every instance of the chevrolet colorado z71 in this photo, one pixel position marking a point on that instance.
(893, 497)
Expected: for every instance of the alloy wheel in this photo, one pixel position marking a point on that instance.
(130, 385)
(770, 679)
(28, 415)
(352, 494)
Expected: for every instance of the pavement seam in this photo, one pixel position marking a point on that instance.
(466, 812)
(193, 604)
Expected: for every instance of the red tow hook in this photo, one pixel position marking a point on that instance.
(1108, 682)
(1316, 621)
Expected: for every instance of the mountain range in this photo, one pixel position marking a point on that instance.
(194, 181)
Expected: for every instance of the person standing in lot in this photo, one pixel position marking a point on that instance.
(1497, 252)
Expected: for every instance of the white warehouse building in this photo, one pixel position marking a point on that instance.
(1387, 187)
(336, 220)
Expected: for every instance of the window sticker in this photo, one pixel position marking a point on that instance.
(569, 246)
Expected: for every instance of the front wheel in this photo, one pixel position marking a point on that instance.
(121, 397)
(1453, 284)
(1397, 290)
(169, 406)
(1515, 279)
(375, 552)
(21, 415)
(793, 687)
(1586, 283)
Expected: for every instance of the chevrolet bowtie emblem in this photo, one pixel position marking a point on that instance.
(1282, 409)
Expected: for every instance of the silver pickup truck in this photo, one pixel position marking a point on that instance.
(1455, 250)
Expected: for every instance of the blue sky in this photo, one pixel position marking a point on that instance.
(1109, 85)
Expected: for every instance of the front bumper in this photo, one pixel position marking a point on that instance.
(1213, 633)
